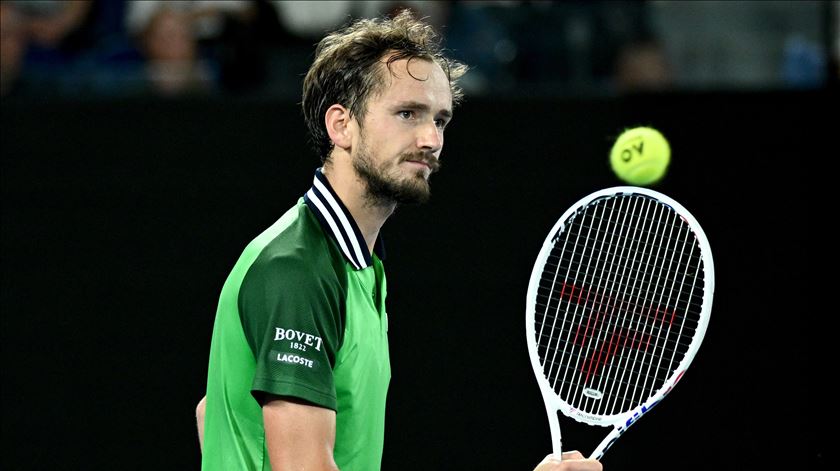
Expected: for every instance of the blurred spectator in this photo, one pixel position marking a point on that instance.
(287, 30)
(483, 34)
(243, 48)
(756, 44)
(642, 66)
(55, 36)
(52, 22)
(553, 47)
(804, 64)
(207, 17)
(12, 47)
(833, 10)
(435, 13)
(168, 35)
(171, 52)
(310, 19)
(80, 48)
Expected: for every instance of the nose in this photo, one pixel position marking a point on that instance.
(430, 138)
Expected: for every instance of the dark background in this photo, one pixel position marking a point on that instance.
(122, 218)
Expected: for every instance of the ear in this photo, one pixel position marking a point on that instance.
(337, 120)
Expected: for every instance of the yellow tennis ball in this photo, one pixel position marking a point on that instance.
(640, 156)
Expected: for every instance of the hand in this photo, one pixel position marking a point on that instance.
(572, 461)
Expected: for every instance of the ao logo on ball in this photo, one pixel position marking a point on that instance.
(640, 156)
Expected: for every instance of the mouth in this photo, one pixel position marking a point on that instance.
(429, 164)
(421, 163)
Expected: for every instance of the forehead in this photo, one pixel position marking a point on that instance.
(417, 80)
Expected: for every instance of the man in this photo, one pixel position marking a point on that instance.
(299, 365)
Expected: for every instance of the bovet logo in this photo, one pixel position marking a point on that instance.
(298, 336)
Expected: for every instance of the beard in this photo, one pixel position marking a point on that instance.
(388, 184)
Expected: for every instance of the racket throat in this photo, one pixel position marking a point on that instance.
(606, 443)
(554, 426)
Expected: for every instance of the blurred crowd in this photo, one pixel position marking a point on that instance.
(73, 48)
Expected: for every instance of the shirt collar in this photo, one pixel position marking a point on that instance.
(337, 221)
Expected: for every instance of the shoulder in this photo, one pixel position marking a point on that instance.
(297, 253)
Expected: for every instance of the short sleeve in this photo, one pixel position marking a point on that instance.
(291, 312)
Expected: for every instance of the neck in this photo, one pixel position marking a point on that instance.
(369, 216)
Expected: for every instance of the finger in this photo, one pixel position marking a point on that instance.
(572, 455)
(551, 463)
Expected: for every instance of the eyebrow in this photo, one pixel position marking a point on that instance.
(415, 105)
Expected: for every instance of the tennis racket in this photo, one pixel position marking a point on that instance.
(618, 303)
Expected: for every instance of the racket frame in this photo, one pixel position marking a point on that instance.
(622, 421)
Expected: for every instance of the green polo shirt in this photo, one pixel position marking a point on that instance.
(302, 314)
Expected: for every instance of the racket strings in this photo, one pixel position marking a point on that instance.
(634, 305)
(633, 369)
(633, 302)
(600, 233)
(560, 262)
(626, 368)
(623, 340)
(635, 259)
(555, 263)
(640, 374)
(628, 339)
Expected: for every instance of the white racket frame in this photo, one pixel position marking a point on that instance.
(620, 422)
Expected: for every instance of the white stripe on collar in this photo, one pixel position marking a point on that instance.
(322, 211)
(350, 230)
(337, 221)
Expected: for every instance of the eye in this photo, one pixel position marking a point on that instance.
(406, 114)
(440, 123)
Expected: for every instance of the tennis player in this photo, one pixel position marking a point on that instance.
(299, 366)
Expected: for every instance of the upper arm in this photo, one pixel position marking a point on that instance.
(291, 318)
(299, 435)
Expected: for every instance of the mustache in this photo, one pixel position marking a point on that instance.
(428, 159)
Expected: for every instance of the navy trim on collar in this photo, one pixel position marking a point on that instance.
(337, 221)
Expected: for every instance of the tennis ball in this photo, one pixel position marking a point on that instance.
(640, 156)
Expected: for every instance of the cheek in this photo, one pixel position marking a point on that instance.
(390, 148)
(386, 142)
